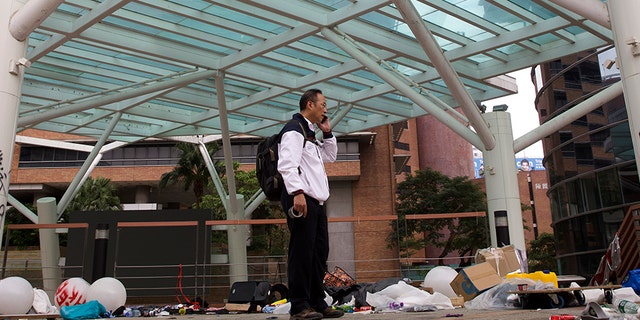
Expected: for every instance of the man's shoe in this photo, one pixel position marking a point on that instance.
(332, 313)
(306, 314)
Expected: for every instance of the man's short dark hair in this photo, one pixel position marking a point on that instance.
(309, 95)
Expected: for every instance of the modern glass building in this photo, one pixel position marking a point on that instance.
(593, 177)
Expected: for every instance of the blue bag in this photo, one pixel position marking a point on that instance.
(632, 280)
(89, 310)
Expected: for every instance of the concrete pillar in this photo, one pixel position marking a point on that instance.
(10, 90)
(49, 247)
(501, 179)
(626, 36)
(237, 236)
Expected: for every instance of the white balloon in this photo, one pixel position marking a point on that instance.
(16, 295)
(110, 292)
(439, 279)
(71, 292)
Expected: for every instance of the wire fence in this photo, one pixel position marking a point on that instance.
(208, 277)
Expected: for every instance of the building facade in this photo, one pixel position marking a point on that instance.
(362, 182)
(590, 163)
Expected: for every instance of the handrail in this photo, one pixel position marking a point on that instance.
(550, 81)
(629, 233)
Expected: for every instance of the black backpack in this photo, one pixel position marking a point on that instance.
(267, 173)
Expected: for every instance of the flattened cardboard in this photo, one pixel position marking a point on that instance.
(504, 260)
(472, 280)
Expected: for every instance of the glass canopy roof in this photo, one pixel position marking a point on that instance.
(161, 64)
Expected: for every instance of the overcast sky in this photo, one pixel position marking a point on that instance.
(524, 117)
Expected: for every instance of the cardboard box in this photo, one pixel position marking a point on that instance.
(504, 260)
(472, 280)
(237, 307)
(457, 301)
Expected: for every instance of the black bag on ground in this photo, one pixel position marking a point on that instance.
(267, 173)
(256, 293)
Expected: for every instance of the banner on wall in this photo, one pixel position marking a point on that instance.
(522, 164)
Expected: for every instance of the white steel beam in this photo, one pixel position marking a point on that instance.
(567, 117)
(594, 10)
(30, 16)
(90, 162)
(406, 90)
(202, 147)
(22, 209)
(447, 72)
(58, 144)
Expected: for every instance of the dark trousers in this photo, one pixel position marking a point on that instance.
(307, 259)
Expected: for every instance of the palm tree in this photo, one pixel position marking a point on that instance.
(191, 170)
(97, 194)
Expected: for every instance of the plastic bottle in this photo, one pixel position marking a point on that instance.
(395, 305)
(625, 306)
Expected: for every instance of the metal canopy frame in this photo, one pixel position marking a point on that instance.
(155, 61)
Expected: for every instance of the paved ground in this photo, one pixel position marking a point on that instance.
(461, 313)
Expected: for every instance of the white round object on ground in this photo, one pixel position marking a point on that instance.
(16, 295)
(71, 292)
(110, 292)
(439, 279)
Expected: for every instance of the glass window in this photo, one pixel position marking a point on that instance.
(609, 188)
(572, 79)
(568, 149)
(559, 98)
(621, 142)
(562, 232)
(141, 152)
(559, 202)
(152, 155)
(574, 197)
(593, 198)
(630, 183)
(584, 155)
(612, 221)
(555, 67)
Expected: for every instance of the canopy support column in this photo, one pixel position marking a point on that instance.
(11, 75)
(501, 179)
(626, 36)
(237, 234)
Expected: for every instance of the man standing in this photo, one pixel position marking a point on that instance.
(301, 164)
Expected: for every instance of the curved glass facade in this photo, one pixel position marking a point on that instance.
(591, 166)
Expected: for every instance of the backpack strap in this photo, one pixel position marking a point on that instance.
(304, 132)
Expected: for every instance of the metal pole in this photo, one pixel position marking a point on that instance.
(533, 207)
(101, 245)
